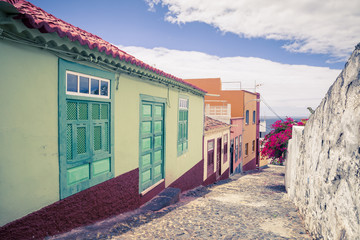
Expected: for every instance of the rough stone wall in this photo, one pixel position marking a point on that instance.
(325, 184)
(290, 163)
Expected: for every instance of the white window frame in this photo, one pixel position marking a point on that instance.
(87, 94)
(183, 103)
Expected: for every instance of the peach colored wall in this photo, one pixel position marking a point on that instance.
(213, 86)
(249, 134)
(236, 99)
(239, 100)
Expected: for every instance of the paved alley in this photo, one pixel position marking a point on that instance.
(251, 206)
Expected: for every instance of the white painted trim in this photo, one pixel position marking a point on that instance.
(151, 187)
(87, 94)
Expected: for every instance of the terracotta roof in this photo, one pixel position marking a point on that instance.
(34, 17)
(211, 124)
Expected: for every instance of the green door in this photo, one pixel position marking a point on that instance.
(151, 167)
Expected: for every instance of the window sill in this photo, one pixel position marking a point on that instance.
(151, 187)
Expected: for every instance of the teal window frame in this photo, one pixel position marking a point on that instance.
(183, 125)
(98, 164)
(247, 117)
(254, 117)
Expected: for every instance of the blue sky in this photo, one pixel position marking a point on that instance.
(277, 44)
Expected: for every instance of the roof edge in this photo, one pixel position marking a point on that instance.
(26, 14)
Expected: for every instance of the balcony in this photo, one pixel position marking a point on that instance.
(221, 113)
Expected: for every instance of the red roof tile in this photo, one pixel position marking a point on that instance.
(211, 123)
(34, 17)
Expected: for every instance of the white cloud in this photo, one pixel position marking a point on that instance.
(312, 26)
(152, 4)
(288, 89)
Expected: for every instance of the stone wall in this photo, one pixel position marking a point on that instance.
(323, 165)
(290, 164)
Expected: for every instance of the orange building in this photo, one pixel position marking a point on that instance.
(244, 104)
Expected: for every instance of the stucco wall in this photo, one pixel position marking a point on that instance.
(249, 134)
(325, 184)
(127, 100)
(28, 130)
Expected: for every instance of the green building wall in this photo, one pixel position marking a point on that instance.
(29, 166)
(127, 100)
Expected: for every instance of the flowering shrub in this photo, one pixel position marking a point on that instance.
(275, 142)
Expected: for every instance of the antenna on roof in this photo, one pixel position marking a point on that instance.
(257, 85)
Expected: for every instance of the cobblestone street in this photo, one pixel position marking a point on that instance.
(251, 206)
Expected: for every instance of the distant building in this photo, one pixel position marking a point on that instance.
(245, 105)
(262, 128)
(216, 150)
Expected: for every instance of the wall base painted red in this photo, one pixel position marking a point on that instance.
(225, 175)
(191, 178)
(109, 198)
(115, 196)
(250, 165)
(210, 180)
(155, 191)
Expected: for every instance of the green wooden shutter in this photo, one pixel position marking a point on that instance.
(151, 165)
(87, 142)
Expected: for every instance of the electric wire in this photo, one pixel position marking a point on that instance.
(270, 108)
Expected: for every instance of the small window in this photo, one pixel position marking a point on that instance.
(104, 88)
(210, 157)
(210, 145)
(247, 117)
(236, 148)
(240, 146)
(225, 147)
(246, 149)
(84, 85)
(254, 117)
(253, 146)
(72, 83)
(87, 86)
(94, 86)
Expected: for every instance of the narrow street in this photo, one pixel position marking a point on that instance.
(251, 206)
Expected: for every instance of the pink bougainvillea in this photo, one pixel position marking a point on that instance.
(275, 142)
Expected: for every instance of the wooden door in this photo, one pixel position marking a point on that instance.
(231, 156)
(218, 158)
(151, 166)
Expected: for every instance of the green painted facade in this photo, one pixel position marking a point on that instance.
(127, 114)
(37, 123)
